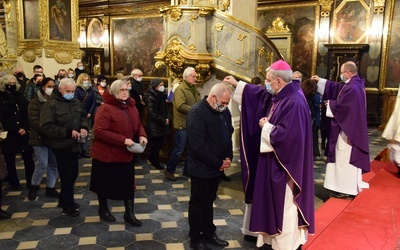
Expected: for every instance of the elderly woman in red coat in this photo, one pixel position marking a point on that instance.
(116, 123)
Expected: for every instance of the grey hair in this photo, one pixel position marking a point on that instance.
(187, 71)
(286, 75)
(6, 79)
(220, 88)
(66, 82)
(351, 67)
(116, 86)
(136, 72)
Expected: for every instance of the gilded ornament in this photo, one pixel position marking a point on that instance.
(278, 26)
(192, 47)
(219, 26)
(261, 51)
(241, 37)
(175, 14)
(217, 53)
(193, 17)
(239, 62)
(325, 7)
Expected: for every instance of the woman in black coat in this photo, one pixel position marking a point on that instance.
(14, 117)
(158, 120)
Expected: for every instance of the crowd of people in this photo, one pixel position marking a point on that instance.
(48, 121)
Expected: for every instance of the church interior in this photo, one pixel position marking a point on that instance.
(162, 38)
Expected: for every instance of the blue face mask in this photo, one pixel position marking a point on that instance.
(268, 87)
(68, 96)
(342, 77)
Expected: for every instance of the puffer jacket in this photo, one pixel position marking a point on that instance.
(114, 122)
(157, 113)
(58, 117)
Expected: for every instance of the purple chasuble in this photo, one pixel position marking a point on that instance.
(291, 138)
(348, 105)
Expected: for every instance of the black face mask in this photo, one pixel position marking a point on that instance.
(11, 88)
(19, 74)
(61, 77)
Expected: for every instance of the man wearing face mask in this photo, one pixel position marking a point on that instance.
(346, 106)
(276, 160)
(33, 87)
(79, 69)
(21, 78)
(63, 121)
(209, 151)
(136, 91)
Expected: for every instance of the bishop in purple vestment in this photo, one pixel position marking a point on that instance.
(277, 158)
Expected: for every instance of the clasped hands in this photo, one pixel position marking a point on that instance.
(225, 164)
(83, 133)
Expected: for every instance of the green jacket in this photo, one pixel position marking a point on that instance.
(58, 117)
(185, 96)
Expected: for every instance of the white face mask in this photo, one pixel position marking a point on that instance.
(48, 91)
(80, 68)
(161, 89)
(139, 79)
(103, 84)
(71, 75)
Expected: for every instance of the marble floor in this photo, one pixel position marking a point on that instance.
(161, 205)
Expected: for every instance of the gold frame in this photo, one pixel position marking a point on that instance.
(90, 43)
(388, 23)
(62, 51)
(363, 38)
(317, 7)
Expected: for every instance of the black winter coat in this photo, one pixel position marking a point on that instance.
(157, 114)
(14, 116)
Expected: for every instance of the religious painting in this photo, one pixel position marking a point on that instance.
(134, 42)
(351, 22)
(31, 23)
(60, 20)
(302, 21)
(95, 33)
(390, 68)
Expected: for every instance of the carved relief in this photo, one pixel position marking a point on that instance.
(325, 7)
(278, 26)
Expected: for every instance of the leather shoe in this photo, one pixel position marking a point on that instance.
(71, 212)
(199, 246)
(4, 215)
(106, 215)
(76, 205)
(214, 240)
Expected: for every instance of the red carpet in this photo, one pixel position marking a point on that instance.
(370, 221)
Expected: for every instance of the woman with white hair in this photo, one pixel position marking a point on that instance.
(14, 117)
(116, 124)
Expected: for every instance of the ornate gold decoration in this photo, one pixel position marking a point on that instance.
(82, 24)
(192, 47)
(203, 12)
(225, 5)
(175, 14)
(194, 17)
(278, 26)
(63, 56)
(183, 2)
(241, 37)
(217, 53)
(29, 54)
(219, 26)
(379, 6)
(7, 11)
(106, 21)
(176, 57)
(325, 7)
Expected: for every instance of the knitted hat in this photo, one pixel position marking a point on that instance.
(280, 65)
(155, 82)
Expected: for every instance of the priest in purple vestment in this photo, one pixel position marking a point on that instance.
(277, 158)
(348, 150)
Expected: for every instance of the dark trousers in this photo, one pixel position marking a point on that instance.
(29, 166)
(67, 164)
(203, 193)
(156, 144)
